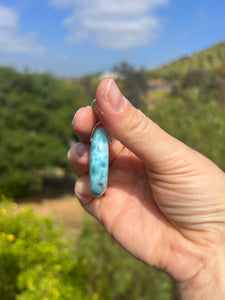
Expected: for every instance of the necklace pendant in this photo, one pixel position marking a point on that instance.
(99, 162)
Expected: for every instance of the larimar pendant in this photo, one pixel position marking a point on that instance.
(99, 161)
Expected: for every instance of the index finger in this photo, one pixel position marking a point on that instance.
(83, 123)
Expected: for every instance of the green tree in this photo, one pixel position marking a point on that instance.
(199, 124)
(35, 132)
(133, 83)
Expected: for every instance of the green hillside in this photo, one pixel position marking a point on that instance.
(193, 110)
(210, 59)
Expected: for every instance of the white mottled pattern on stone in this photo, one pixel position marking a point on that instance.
(99, 162)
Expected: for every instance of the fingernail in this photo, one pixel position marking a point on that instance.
(73, 123)
(78, 188)
(114, 96)
(81, 149)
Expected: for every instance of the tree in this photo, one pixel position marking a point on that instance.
(35, 132)
(133, 83)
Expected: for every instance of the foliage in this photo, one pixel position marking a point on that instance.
(35, 133)
(197, 119)
(89, 84)
(39, 262)
(133, 83)
(211, 86)
(210, 59)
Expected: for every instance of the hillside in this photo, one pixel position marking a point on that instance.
(210, 59)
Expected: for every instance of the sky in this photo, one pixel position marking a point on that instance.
(72, 38)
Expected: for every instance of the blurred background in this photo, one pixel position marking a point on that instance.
(168, 58)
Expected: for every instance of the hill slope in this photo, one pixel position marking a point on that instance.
(212, 58)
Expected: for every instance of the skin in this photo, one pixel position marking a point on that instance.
(165, 203)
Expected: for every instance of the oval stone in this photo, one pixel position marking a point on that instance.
(99, 162)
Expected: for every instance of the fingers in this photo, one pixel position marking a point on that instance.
(83, 123)
(134, 130)
(82, 190)
(78, 156)
(88, 201)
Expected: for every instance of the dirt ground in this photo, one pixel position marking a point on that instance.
(65, 209)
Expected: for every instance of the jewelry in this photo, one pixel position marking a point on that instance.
(99, 158)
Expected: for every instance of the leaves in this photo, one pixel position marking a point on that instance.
(35, 132)
(133, 83)
(38, 261)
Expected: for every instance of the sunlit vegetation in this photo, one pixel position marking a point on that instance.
(194, 112)
(39, 262)
(209, 60)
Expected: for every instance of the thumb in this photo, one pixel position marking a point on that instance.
(157, 149)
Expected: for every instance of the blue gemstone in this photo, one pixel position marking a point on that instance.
(99, 162)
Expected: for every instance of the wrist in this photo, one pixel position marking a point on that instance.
(208, 284)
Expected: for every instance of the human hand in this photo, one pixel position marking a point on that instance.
(165, 203)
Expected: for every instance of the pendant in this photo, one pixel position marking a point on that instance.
(99, 160)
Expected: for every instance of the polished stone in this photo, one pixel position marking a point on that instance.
(99, 162)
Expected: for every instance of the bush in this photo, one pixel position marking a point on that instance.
(38, 261)
(199, 125)
(211, 85)
(133, 83)
(35, 132)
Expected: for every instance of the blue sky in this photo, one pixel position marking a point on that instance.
(78, 37)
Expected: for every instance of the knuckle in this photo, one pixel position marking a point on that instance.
(138, 123)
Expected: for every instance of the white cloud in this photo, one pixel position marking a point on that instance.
(10, 39)
(114, 23)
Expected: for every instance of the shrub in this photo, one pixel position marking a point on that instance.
(211, 85)
(38, 261)
(35, 132)
(199, 125)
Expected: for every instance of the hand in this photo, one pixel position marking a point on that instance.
(165, 203)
